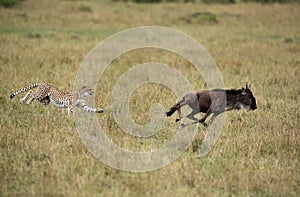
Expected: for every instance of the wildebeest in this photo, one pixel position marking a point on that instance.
(214, 102)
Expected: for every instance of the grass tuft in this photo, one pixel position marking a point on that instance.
(85, 8)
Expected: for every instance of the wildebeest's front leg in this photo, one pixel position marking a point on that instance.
(215, 114)
(202, 120)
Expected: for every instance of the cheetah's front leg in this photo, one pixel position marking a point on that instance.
(70, 110)
(90, 109)
(81, 104)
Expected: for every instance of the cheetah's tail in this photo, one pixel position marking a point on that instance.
(31, 86)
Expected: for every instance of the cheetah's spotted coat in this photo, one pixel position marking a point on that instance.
(47, 93)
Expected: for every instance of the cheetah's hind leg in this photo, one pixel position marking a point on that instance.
(26, 97)
(30, 100)
(46, 100)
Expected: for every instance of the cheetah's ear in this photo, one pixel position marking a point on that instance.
(83, 87)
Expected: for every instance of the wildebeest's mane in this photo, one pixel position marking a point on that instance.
(229, 91)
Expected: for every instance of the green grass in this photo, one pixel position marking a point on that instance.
(257, 153)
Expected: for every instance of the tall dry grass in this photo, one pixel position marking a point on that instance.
(257, 153)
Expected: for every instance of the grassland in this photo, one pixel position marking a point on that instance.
(257, 154)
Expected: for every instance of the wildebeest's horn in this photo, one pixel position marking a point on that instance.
(247, 86)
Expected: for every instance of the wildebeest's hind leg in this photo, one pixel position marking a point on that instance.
(179, 114)
(194, 105)
(191, 100)
(177, 107)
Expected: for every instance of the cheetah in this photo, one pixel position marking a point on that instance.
(47, 94)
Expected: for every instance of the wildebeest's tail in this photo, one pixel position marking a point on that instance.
(175, 107)
(171, 111)
(34, 85)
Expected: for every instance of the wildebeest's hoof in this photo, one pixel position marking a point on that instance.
(201, 120)
(177, 119)
(204, 124)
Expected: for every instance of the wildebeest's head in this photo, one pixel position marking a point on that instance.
(246, 99)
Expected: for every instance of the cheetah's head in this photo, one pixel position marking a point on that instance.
(86, 91)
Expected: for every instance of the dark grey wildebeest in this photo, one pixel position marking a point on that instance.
(214, 102)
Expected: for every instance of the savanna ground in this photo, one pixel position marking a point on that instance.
(257, 153)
